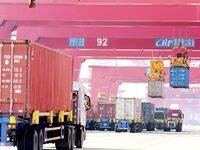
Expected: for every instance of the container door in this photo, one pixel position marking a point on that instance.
(138, 110)
(129, 109)
(13, 78)
(120, 108)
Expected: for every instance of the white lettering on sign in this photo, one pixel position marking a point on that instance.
(5, 81)
(7, 62)
(17, 91)
(6, 56)
(4, 86)
(5, 69)
(102, 42)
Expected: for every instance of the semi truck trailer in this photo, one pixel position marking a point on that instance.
(106, 116)
(128, 115)
(36, 104)
(148, 116)
(101, 117)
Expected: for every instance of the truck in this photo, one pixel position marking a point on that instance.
(101, 117)
(160, 117)
(148, 116)
(36, 105)
(174, 120)
(91, 119)
(106, 116)
(128, 115)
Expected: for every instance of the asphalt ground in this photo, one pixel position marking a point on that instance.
(189, 139)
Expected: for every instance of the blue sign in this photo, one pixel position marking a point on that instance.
(170, 43)
(76, 42)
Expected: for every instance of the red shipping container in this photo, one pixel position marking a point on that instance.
(91, 114)
(106, 111)
(34, 77)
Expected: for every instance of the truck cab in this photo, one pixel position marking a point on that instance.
(174, 120)
(160, 117)
(81, 103)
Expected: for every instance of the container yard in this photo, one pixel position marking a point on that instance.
(99, 75)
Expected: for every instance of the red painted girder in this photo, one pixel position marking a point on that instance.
(127, 54)
(103, 12)
(109, 23)
(36, 32)
(117, 44)
(107, 2)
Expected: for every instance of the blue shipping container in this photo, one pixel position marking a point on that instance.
(179, 77)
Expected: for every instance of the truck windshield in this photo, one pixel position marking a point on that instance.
(159, 115)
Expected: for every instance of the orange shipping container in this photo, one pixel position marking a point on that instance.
(34, 77)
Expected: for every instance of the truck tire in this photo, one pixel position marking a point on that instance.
(40, 139)
(116, 128)
(166, 129)
(132, 128)
(65, 144)
(148, 127)
(21, 140)
(31, 139)
(152, 127)
(179, 128)
(79, 140)
(73, 138)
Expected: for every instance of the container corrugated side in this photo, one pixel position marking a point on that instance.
(138, 111)
(179, 77)
(106, 111)
(147, 111)
(41, 79)
(156, 88)
(120, 108)
(130, 109)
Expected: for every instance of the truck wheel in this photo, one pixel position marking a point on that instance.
(132, 128)
(179, 128)
(73, 138)
(68, 138)
(31, 139)
(40, 139)
(116, 128)
(148, 127)
(79, 141)
(166, 129)
(21, 140)
(152, 127)
(65, 144)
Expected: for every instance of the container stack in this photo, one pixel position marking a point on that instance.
(156, 79)
(179, 71)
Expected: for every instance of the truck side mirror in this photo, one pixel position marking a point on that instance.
(87, 102)
(182, 116)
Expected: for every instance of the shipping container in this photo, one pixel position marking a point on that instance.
(156, 88)
(128, 110)
(147, 111)
(106, 111)
(34, 78)
(179, 77)
(36, 96)
(148, 116)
